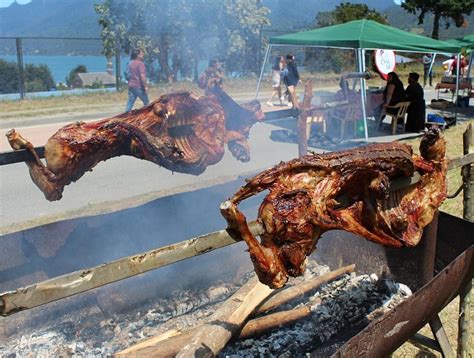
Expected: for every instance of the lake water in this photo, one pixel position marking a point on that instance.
(60, 66)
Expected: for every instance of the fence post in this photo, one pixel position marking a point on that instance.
(468, 214)
(21, 72)
(467, 177)
(118, 68)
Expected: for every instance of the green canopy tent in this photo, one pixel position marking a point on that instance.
(360, 35)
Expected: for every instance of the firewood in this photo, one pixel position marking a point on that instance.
(282, 296)
(169, 347)
(260, 325)
(212, 337)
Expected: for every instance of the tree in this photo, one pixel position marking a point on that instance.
(73, 74)
(184, 31)
(450, 10)
(320, 59)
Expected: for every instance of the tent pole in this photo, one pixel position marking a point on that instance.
(470, 65)
(458, 67)
(361, 64)
(433, 58)
(267, 52)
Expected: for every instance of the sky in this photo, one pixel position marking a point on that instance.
(5, 3)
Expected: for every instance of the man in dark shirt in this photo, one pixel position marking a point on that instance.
(137, 79)
(416, 110)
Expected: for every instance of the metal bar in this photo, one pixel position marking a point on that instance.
(467, 176)
(21, 71)
(426, 341)
(118, 66)
(267, 53)
(458, 77)
(18, 156)
(441, 337)
(83, 280)
(361, 62)
(464, 320)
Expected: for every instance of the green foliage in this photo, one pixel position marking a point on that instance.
(38, 78)
(73, 74)
(8, 77)
(320, 59)
(185, 31)
(449, 10)
(348, 12)
(96, 84)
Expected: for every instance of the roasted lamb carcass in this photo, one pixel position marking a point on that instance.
(347, 190)
(179, 131)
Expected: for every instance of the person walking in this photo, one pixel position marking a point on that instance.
(136, 79)
(291, 78)
(277, 69)
(427, 69)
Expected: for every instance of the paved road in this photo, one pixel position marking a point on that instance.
(122, 178)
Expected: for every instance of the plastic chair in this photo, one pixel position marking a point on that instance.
(399, 115)
(345, 115)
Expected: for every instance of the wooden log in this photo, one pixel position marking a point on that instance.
(258, 326)
(176, 340)
(212, 337)
(283, 296)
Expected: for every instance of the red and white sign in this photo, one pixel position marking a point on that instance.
(385, 62)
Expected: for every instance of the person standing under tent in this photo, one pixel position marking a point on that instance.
(416, 111)
(291, 78)
(427, 69)
(277, 69)
(136, 76)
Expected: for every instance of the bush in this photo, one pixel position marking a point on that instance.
(73, 74)
(8, 77)
(37, 78)
(96, 84)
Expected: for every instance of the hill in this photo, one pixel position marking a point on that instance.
(77, 18)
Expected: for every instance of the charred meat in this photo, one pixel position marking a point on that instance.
(179, 131)
(347, 190)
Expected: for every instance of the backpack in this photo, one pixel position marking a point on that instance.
(127, 73)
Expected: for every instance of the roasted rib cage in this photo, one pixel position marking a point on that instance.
(179, 131)
(347, 190)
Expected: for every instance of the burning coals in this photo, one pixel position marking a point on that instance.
(346, 303)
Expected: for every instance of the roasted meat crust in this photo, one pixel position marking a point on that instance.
(179, 131)
(347, 190)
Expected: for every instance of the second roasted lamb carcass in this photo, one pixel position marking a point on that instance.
(179, 131)
(347, 190)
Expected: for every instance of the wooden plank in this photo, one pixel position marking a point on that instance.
(84, 280)
(461, 161)
(211, 338)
